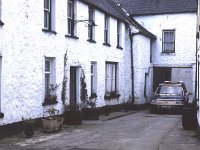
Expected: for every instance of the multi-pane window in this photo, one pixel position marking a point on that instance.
(49, 77)
(145, 84)
(70, 17)
(111, 78)
(1, 23)
(0, 80)
(106, 30)
(90, 25)
(169, 41)
(93, 78)
(119, 34)
(47, 14)
(151, 50)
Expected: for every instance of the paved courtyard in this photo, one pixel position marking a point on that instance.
(136, 131)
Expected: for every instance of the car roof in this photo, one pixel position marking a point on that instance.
(172, 83)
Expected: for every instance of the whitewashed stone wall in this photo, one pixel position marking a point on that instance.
(185, 40)
(185, 31)
(24, 46)
(142, 65)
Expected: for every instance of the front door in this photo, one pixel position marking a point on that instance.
(73, 83)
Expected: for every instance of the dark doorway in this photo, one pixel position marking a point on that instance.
(161, 74)
(73, 84)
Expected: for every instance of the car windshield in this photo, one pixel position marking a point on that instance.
(170, 89)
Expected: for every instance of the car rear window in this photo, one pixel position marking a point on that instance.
(170, 89)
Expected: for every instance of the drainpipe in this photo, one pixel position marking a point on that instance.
(132, 66)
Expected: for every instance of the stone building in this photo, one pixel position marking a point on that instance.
(174, 24)
(58, 46)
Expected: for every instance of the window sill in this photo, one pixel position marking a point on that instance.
(112, 96)
(119, 47)
(1, 23)
(91, 41)
(72, 36)
(107, 44)
(1, 115)
(49, 31)
(168, 53)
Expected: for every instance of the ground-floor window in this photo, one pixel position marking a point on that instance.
(111, 79)
(1, 114)
(50, 85)
(93, 71)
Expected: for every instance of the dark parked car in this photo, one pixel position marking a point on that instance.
(170, 94)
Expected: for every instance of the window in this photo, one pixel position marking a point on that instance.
(151, 50)
(145, 84)
(1, 23)
(93, 79)
(111, 80)
(168, 41)
(50, 95)
(119, 32)
(70, 17)
(49, 16)
(1, 114)
(91, 26)
(106, 31)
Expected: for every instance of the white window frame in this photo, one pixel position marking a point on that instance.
(51, 73)
(106, 29)
(47, 14)
(93, 71)
(0, 80)
(111, 80)
(70, 17)
(168, 41)
(91, 27)
(119, 34)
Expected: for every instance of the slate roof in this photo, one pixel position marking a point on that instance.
(111, 8)
(150, 7)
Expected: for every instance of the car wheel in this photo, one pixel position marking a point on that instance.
(189, 118)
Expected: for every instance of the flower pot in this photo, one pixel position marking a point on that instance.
(90, 114)
(52, 124)
(73, 117)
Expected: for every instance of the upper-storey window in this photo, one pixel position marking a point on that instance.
(119, 35)
(106, 30)
(70, 17)
(49, 15)
(1, 23)
(168, 41)
(90, 25)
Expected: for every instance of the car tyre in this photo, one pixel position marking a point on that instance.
(189, 118)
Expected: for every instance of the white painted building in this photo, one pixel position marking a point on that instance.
(37, 35)
(174, 24)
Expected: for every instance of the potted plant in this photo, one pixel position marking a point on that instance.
(53, 122)
(72, 114)
(29, 125)
(91, 112)
(51, 97)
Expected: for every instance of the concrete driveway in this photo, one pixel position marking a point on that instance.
(136, 131)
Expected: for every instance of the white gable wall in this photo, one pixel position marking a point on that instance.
(142, 65)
